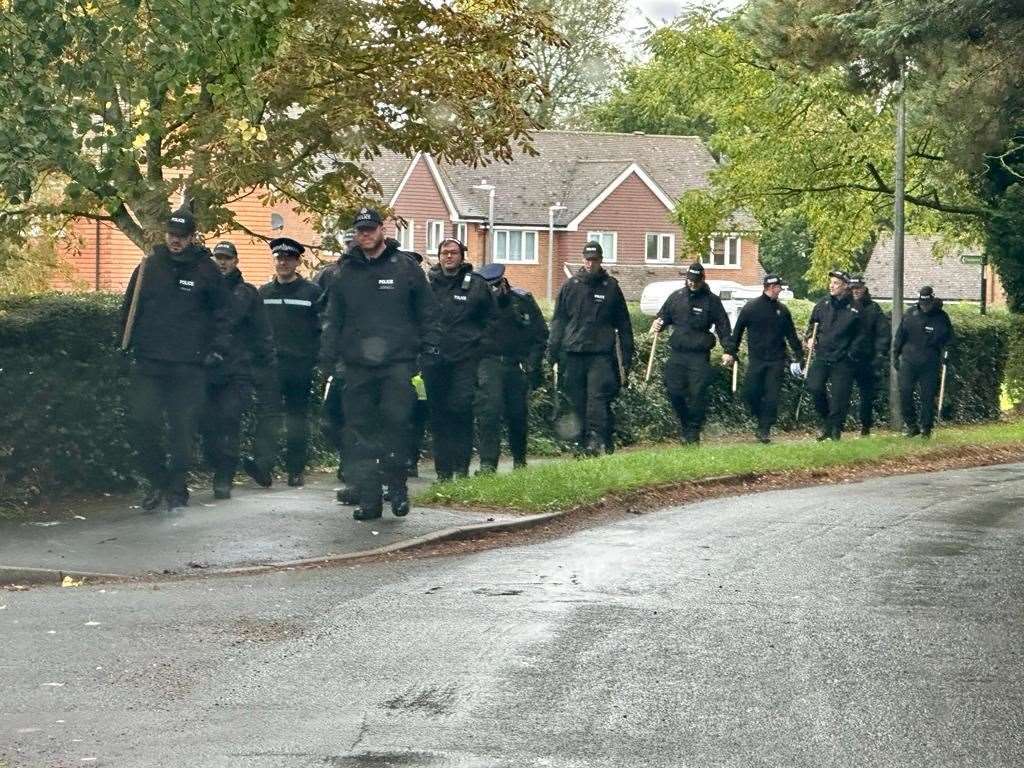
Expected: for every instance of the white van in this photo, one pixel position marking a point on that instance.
(733, 295)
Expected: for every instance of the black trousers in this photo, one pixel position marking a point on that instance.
(333, 419)
(591, 383)
(687, 378)
(866, 377)
(378, 405)
(165, 401)
(284, 402)
(221, 423)
(831, 408)
(761, 390)
(501, 397)
(451, 388)
(420, 416)
(922, 376)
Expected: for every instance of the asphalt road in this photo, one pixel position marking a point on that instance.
(872, 624)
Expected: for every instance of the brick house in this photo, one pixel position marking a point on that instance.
(619, 189)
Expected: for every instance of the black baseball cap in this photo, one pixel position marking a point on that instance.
(771, 280)
(593, 250)
(225, 248)
(838, 273)
(857, 281)
(696, 271)
(182, 222)
(492, 272)
(367, 218)
(926, 292)
(285, 246)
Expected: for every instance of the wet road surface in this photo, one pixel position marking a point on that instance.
(870, 624)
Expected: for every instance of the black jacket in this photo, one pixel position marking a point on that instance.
(294, 312)
(519, 330)
(466, 306)
(769, 325)
(184, 307)
(379, 311)
(922, 336)
(691, 315)
(877, 332)
(589, 310)
(840, 330)
(252, 338)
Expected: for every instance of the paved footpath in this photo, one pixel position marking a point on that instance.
(256, 527)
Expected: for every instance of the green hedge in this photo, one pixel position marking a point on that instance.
(62, 387)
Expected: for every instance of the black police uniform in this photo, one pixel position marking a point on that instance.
(332, 413)
(590, 313)
(229, 385)
(872, 358)
(768, 325)
(510, 367)
(688, 368)
(466, 306)
(381, 316)
(183, 317)
(920, 344)
(838, 346)
(294, 312)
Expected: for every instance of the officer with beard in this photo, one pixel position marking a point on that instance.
(873, 354)
(920, 347)
(692, 311)
(591, 319)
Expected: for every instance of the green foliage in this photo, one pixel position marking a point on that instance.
(785, 248)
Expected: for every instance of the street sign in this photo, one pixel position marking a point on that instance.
(972, 260)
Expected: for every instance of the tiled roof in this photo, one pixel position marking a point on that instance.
(949, 277)
(572, 168)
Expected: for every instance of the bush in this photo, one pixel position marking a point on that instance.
(63, 384)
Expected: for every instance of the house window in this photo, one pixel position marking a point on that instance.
(609, 244)
(404, 234)
(435, 233)
(660, 247)
(515, 246)
(461, 234)
(724, 252)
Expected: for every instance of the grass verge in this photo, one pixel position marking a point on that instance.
(570, 483)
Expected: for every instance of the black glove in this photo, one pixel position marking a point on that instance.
(213, 359)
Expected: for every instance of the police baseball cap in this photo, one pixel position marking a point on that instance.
(367, 218)
(926, 292)
(771, 280)
(182, 222)
(840, 275)
(695, 271)
(225, 248)
(593, 250)
(285, 246)
(857, 281)
(492, 273)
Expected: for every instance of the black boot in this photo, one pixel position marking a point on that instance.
(368, 511)
(221, 487)
(912, 430)
(296, 480)
(763, 436)
(260, 476)
(399, 499)
(347, 496)
(152, 499)
(486, 469)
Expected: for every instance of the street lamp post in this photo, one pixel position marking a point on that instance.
(551, 246)
(489, 189)
(899, 191)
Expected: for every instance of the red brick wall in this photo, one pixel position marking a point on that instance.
(420, 201)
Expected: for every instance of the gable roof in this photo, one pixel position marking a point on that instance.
(572, 168)
(950, 278)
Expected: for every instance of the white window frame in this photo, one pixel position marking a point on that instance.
(434, 227)
(708, 260)
(663, 257)
(608, 258)
(502, 232)
(406, 235)
(462, 232)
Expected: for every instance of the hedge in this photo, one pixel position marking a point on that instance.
(62, 387)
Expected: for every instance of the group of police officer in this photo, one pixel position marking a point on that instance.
(386, 333)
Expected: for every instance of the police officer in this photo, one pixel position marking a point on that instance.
(293, 305)
(920, 347)
(513, 353)
(229, 385)
(769, 326)
(692, 311)
(381, 316)
(176, 312)
(873, 354)
(466, 307)
(589, 330)
(836, 351)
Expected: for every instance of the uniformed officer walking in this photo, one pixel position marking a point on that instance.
(511, 366)
(293, 305)
(692, 311)
(769, 326)
(229, 386)
(836, 352)
(873, 354)
(332, 413)
(381, 316)
(466, 306)
(920, 348)
(176, 313)
(589, 330)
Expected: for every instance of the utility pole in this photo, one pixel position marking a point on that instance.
(899, 220)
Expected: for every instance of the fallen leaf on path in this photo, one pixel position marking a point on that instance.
(68, 581)
(92, 624)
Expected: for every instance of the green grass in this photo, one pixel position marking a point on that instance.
(568, 483)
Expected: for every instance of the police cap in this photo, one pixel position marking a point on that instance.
(181, 222)
(225, 248)
(593, 250)
(367, 218)
(285, 246)
(492, 273)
